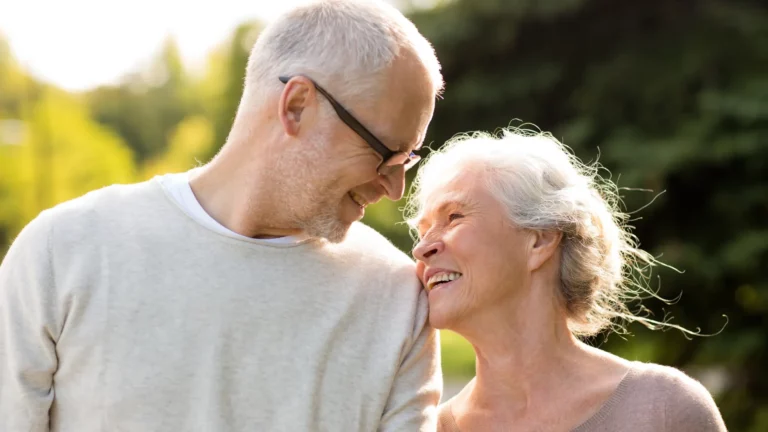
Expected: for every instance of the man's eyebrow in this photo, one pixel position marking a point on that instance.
(406, 147)
(398, 145)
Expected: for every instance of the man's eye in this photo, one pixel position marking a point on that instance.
(453, 216)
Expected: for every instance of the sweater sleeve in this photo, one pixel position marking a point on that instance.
(27, 347)
(418, 386)
(692, 408)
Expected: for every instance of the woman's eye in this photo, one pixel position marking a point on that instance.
(453, 216)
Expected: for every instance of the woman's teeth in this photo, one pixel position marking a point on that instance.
(441, 278)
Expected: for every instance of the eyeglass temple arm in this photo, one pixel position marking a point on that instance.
(385, 152)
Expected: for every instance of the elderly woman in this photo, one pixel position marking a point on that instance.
(523, 251)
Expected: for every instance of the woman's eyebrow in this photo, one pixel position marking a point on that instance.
(456, 201)
(459, 202)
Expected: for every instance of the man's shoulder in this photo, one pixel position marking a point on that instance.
(103, 199)
(69, 220)
(90, 210)
(362, 239)
(368, 252)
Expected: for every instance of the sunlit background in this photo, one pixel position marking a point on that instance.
(80, 44)
(671, 96)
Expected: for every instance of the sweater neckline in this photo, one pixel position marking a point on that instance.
(601, 415)
(251, 242)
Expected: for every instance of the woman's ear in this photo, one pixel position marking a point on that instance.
(543, 247)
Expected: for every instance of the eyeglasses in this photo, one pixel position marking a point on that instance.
(391, 161)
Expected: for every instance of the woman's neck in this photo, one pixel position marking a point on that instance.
(525, 357)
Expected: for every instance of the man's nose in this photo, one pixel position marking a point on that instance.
(393, 184)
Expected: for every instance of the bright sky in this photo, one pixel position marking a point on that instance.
(78, 44)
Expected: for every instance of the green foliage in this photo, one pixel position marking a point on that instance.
(239, 48)
(147, 106)
(14, 83)
(188, 145)
(64, 154)
(222, 85)
(458, 357)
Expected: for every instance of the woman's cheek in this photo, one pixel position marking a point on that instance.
(420, 271)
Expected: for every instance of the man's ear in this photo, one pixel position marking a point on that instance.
(295, 98)
(543, 247)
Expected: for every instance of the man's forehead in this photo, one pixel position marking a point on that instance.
(404, 125)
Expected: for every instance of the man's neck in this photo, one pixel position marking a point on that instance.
(240, 191)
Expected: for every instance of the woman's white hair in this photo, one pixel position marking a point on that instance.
(344, 45)
(543, 186)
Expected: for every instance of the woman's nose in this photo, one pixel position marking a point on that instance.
(427, 248)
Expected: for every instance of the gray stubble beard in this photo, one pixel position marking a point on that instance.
(315, 218)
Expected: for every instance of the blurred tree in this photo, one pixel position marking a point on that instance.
(15, 85)
(222, 85)
(18, 91)
(63, 155)
(675, 97)
(149, 104)
(188, 144)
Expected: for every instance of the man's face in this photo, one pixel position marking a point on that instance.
(341, 176)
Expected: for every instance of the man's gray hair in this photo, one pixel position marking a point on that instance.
(344, 45)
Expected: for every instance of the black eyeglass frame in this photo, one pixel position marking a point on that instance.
(391, 160)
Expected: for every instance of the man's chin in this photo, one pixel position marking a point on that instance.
(337, 237)
(334, 231)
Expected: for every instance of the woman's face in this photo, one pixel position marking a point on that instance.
(470, 258)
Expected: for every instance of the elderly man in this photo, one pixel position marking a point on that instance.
(243, 295)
